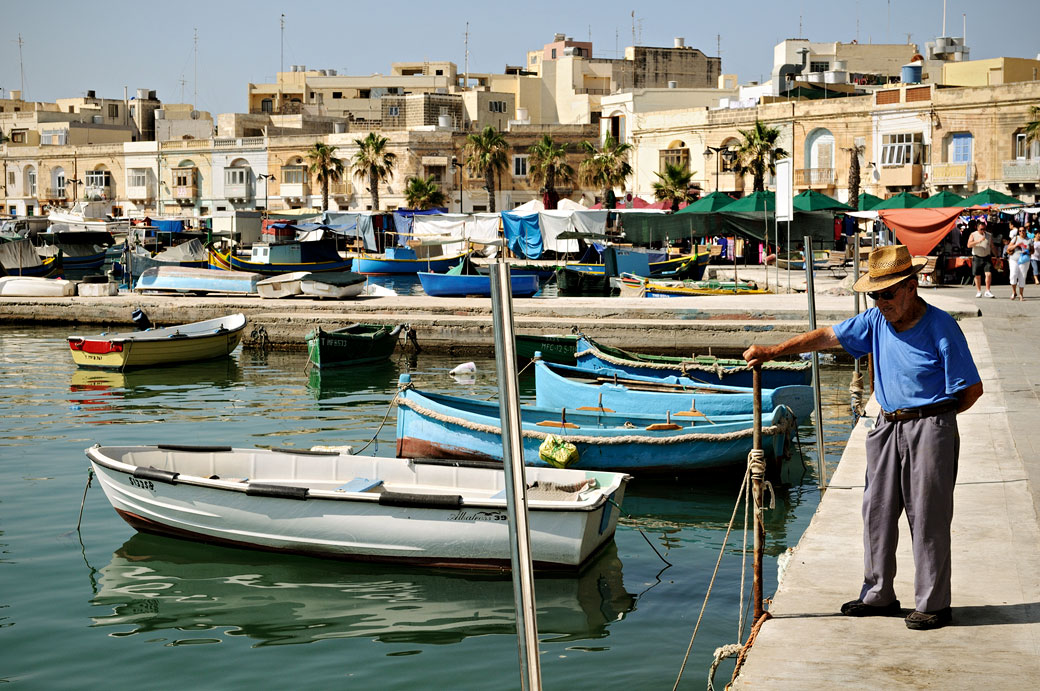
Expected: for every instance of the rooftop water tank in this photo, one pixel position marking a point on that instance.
(444, 121)
(911, 74)
(835, 77)
(673, 84)
(680, 42)
(339, 127)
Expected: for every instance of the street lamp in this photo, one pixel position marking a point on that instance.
(266, 177)
(724, 152)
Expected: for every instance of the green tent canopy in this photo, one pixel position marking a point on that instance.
(708, 204)
(867, 202)
(811, 200)
(903, 200)
(988, 197)
(756, 201)
(941, 200)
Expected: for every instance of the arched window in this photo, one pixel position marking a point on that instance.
(819, 149)
(30, 181)
(677, 154)
(58, 182)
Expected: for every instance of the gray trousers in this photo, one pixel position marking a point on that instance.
(911, 465)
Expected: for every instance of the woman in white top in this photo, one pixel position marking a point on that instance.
(1035, 258)
(1018, 251)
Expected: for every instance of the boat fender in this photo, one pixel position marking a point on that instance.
(192, 447)
(156, 474)
(464, 368)
(420, 501)
(256, 489)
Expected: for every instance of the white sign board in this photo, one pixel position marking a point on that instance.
(784, 189)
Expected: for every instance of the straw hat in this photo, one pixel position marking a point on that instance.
(887, 266)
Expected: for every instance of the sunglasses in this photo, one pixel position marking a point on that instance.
(883, 294)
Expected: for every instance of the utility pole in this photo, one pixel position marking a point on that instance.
(21, 65)
(195, 77)
(281, 55)
(466, 69)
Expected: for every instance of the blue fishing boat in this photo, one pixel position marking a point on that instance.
(273, 259)
(433, 425)
(614, 391)
(704, 369)
(403, 260)
(187, 280)
(462, 285)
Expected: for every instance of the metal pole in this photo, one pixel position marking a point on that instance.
(758, 468)
(818, 407)
(516, 486)
(789, 256)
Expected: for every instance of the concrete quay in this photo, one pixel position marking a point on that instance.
(994, 640)
(724, 324)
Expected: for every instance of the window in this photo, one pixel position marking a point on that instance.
(18, 136)
(113, 110)
(577, 51)
(675, 157)
(960, 148)
(819, 66)
(553, 53)
(10, 179)
(97, 178)
(520, 166)
(534, 59)
(133, 111)
(53, 137)
(901, 149)
(267, 106)
(1021, 147)
(293, 175)
(183, 177)
(137, 177)
(337, 94)
(235, 176)
(497, 106)
(393, 111)
(59, 184)
(439, 73)
(30, 178)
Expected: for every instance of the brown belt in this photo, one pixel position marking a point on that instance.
(923, 411)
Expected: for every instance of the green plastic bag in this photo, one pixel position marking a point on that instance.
(557, 452)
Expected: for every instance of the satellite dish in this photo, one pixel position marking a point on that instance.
(194, 115)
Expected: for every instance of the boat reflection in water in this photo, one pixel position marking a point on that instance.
(200, 593)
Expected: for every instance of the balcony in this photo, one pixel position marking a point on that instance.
(952, 174)
(814, 177)
(238, 192)
(340, 189)
(139, 193)
(184, 194)
(295, 191)
(1022, 171)
(908, 175)
(55, 193)
(96, 193)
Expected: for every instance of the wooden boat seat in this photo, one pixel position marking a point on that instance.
(594, 409)
(359, 484)
(557, 423)
(657, 426)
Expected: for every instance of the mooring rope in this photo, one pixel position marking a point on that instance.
(388, 409)
(772, 430)
(685, 365)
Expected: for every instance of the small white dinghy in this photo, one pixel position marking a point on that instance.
(332, 284)
(35, 287)
(281, 286)
(441, 513)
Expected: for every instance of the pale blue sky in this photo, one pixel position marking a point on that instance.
(71, 46)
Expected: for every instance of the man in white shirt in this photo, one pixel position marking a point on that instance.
(981, 245)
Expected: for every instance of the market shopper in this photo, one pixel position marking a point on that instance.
(1018, 263)
(981, 245)
(924, 375)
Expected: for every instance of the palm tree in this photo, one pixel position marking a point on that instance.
(673, 185)
(758, 152)
(326, 168)
(1032, 130)
(606, 168)
(486, 153)
(423, 193)
(548, 166)
(854, 152)
(374, 163)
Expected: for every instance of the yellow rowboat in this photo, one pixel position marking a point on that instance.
(195, 342)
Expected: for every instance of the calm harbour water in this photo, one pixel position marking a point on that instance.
(109, 608)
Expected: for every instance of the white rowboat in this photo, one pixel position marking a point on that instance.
(326, 504)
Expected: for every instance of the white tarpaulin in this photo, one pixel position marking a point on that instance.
(530, 207)
(443, 227)
(552, 223)
(570, 205)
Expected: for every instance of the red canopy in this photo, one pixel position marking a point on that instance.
(637, 203)
(920, 229)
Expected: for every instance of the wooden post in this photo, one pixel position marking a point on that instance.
(758, 467)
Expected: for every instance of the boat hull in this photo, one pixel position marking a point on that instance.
(438, 426)
(357, 344)
(282, 286)
(354, 507)
(187, 280)
(554, 348)
(573, 387)
(463, 285)
(35, 286)
(379, 266)
(196, 342)
(704, 370)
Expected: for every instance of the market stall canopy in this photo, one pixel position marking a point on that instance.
(903, 200)
(708, 204)
(867, 202)
(920, 229)
(811, 200)
(938, 201)
(989, 197)
(756, 201)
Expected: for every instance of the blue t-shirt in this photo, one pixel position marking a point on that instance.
(927, 363)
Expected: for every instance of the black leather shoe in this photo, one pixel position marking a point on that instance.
(923, 621)
(858, 608)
